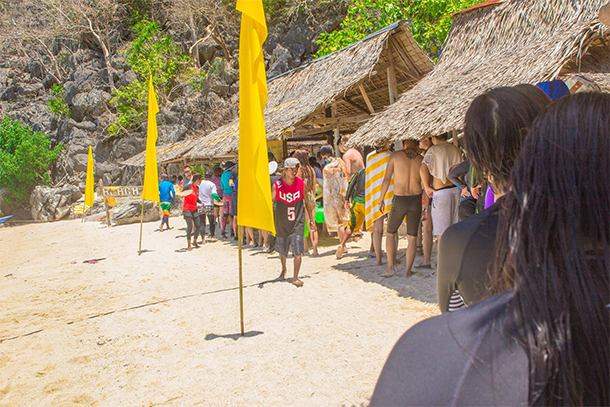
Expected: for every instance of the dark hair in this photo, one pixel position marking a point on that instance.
(196, 177)
(443, 136)
(270, 156)
(496, 125)
(313, 162)
(217, 171)
(327, 150)
(553, 249)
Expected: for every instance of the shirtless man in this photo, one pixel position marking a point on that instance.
(445, 196)
(404, 167)
(352, 158)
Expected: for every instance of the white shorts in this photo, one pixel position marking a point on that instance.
(445, 204)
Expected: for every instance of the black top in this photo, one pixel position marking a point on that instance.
(357, 186)
(465, 253)
(466, 357)
(289, 209)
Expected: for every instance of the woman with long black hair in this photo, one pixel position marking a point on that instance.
(544, 339)
(307, 174)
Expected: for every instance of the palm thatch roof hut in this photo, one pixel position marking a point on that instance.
(337, 92)
(498, 43)
(171, 153)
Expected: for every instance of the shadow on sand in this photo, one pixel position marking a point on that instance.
(235, 337)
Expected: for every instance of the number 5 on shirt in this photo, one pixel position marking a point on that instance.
(291, 213)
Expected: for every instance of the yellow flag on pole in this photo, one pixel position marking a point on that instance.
(89, 181)
(151, 178)
(254, 206)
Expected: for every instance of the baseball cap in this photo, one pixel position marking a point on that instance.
(291, 162)
(163, 176)
(209, 174)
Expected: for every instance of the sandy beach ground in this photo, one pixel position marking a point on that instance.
(163, 328)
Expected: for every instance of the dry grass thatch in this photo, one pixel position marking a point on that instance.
(298, 100)
(515, 41)
(165, 154)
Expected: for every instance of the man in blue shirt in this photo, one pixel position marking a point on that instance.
(167, 193)
(227, 195)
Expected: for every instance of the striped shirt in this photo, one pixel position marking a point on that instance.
(376, 164)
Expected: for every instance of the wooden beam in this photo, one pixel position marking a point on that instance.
(309, 132)
(366, 99)
(336, 134)
(341, 120)
(405, 57)
(353, 104)
(314, 137)
(392, 88)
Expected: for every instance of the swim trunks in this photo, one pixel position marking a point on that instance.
(356, 216)
(405, 205)
(444, 209)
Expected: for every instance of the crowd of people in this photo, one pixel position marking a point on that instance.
(521, 217)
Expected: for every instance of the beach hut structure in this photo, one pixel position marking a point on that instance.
(497, 43)
(168, 154)
(332, 94)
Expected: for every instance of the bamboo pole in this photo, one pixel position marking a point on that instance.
(241, 282)
(141, 222)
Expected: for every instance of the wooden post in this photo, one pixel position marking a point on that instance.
(329, 138)
(456, 142)
(366, 99)
(392, 88)
(336, 134)
(284, 149)
(105, 203)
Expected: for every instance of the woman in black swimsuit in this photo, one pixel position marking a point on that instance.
(545, 338)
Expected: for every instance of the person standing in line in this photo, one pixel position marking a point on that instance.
(351, 157)
(217, 173)
(445, 196)
(426, 216)
(288, 193)
(167, 193)
(404, 167)
(355, 195)
(307, 174)
(376, 165)
(496, 127)
(188, 177)
(190, 212)
(227, 198)
(462, 176)
(207, 195)
(335, 189)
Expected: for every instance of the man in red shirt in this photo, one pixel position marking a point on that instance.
(290, 215)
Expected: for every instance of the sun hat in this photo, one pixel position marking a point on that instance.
(272, 167)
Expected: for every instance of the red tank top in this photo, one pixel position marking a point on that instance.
(289, 210)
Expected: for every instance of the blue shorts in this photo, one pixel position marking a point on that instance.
(282, 244)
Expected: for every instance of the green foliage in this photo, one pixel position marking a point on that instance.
(25, 156)
(150, 54)
(196, 77)
(431, 22)
(57, 106)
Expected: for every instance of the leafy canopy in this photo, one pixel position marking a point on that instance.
(25, 156)
(431, 22)
(150, 54)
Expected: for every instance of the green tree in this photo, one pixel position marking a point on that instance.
(150, 54)
(431, 21)
(25, 156)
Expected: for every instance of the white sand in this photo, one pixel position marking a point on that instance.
(163, 328)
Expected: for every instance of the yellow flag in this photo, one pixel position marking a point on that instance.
(151, 178)
(254, 206)
(89, 181)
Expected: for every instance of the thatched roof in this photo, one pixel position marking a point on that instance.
(165, 154)
(298, 100)
(510, 42)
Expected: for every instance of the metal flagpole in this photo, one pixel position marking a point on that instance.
(241, 283)
(141, 222)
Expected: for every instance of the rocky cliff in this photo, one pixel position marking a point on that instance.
(89, 72)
